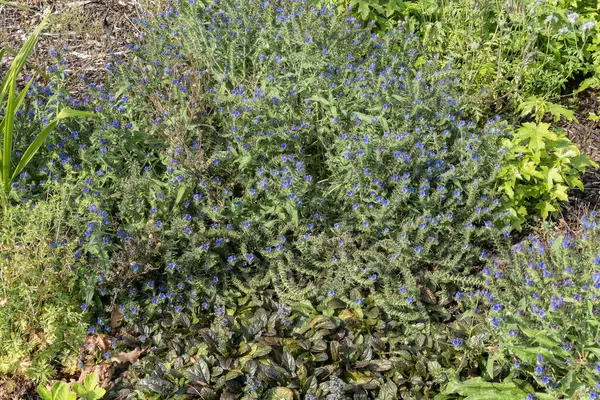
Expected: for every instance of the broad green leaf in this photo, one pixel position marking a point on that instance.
(529, 169)
(60, 391)
(490, 367)
(560, 192)
(479, 389)
(90, 381)
(557, 111)
(44, 392)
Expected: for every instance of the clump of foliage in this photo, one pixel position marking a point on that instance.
(510, 50)
(254, 347)
(540, 306)
(334, 165)
(300, 152)
(540, 166)
(40, 315)
(88, 390)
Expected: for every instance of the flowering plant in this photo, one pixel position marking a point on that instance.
(540, 303)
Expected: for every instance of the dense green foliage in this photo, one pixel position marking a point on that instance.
(253, 345)
(511, 50)
(540, 307)
(276, 202)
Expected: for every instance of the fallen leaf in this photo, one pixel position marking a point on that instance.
(97, 342)
(129, 357)
(116, 318)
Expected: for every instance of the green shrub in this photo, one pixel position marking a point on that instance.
(540, 306)
(322, 163)
(505, 50)
(541, 165)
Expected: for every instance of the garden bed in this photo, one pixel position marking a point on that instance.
(291, 200)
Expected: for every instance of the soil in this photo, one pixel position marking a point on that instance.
(586, 135)
(91, 30)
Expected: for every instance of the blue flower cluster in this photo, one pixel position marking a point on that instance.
(541, 305)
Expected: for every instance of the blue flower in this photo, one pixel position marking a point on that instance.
(539, 369)
(545, 380)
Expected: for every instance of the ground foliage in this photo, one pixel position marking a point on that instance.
(272, 201)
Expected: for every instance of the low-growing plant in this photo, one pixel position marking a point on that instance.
(506, 51)
(542, 164)
(40, 318)
(336, 169)
(333, 164)
(540, 305)
(88, 390)
(253, 347)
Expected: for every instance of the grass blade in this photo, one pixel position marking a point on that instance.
(9, 120)
(17, 5)
(21, 57)
(32, 149)
(31, 65)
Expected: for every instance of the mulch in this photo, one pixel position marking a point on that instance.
(92, 30)
(586, 135)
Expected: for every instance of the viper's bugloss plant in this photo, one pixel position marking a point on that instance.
(540, 303)
(299, 152)
(332, 165)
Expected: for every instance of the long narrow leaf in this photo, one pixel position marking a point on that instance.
(17, 5)
(20, 99)
(8, 132)
(33, 148)
(69, 113)
(20, 59)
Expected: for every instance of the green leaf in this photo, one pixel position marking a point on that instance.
(39, 140)
(363, 8)
(279, 393)
(553, 175)
(8, 125)
(180, 194)
(490, 366)
(31, 150)
(21, 58)
(557, 111)
(560, 193)
(60, 391)
(478, 389)
(90, 382)
(44, 392)
(388, 391)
